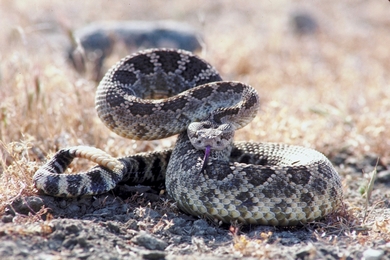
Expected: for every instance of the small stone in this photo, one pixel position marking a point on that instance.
(383, 176)
(7, 218)
(69, 242)
(113, 227)
(57, 235)
(73, 209)
(82, 241)
(72, 229)
(62, 204)
(151, 255)
(179, 227)
(25, 205)
(131, 224)
(373, 254)
(149, 242)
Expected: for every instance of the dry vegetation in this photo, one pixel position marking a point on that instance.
(329, 90)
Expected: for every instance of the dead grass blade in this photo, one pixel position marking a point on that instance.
(369, 190)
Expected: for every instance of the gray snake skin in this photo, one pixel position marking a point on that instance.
(158, 93)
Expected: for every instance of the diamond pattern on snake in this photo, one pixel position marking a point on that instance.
(158, 93)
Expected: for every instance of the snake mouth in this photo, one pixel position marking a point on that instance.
(206, 157)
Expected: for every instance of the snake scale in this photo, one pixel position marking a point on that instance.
(158, 93)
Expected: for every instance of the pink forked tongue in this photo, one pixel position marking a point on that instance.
(206, 156)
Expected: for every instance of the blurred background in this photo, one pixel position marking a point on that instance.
(321, 69)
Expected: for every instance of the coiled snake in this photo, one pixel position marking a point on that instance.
(158, 93)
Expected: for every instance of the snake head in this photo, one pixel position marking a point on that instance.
(208, 136)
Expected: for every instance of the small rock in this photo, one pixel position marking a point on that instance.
(73, 209)
(383, 176)
(131, 224)
(25, 205)
(69, 242)
(63, 204)
(54, 244)
(57, 235)
(179, 227)
(176, 240)
(72, 229)
(82, 241)
(7, 218)
(113, 227)
(147, 254)
(201, 228)
(149, 242)
(373, 254)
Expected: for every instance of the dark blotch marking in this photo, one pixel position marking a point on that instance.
(98, 183)
(262, 161)
(124, 77)
(51, 185)
(269, 192)
(169, 60)
(307, 197)
(62, 157)
(288, 191)
(333, 192)
(143, 109)
(245, 159)
(113, 98)
(142, 63)
(300, 176)
(141, 165)
(235, 153)
(226, 87)
(319, 185)
(194, 67)
(325, 171)
(243, 196)
(74, 183)
(251, 102)
(261, 177)
(205, 92)
(156, 168)
(177, 104)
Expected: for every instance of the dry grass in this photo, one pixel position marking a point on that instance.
(329, 91)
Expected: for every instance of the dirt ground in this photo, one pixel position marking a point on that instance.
(323, 83)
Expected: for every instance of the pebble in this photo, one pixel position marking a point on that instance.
(148, 241)
(373, 254)
(25, 205)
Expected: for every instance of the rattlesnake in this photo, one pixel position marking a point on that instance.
(205, 173)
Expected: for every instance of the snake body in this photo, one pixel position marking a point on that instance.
(158, 93)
